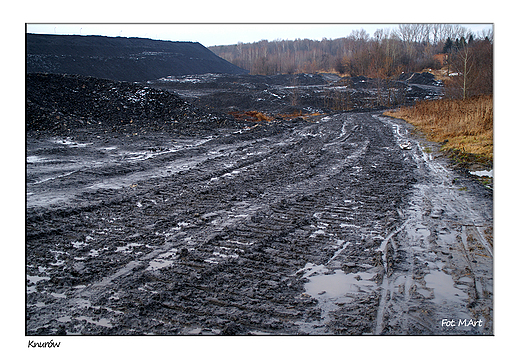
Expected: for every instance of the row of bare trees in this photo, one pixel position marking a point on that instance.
(385, 55)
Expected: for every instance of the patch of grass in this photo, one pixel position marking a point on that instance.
(486, 181)
(467, 125)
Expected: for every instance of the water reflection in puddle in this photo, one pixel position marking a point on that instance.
(128, 247)
(332, 289)
(69, 142)
(32, 281)
(159, 263)
(338, 284)
(163, 260)
(443, 287)
(103, 322)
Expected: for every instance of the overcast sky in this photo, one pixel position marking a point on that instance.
(219, 34)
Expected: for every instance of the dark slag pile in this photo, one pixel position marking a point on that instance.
(420, 78)
(60, 104)
(121, 58)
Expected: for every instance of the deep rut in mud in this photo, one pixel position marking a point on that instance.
(288, 227)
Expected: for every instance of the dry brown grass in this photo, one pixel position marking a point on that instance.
(253, 116)
(295, 114)
(466, 124)
(256, 116)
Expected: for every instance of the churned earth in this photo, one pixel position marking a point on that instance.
(325, 224)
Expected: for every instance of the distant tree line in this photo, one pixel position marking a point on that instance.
(385, 55)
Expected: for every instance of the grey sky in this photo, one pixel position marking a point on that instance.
(218, 34)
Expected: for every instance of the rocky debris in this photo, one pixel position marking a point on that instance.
(420, 78)
(121, 58)
(60, 104)
(405, 146)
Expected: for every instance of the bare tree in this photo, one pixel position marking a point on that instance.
(488, 34)
(464, 55)
(452, 31)
(360, 35)
(436, 31)
(473, 66)
(424, 33)
(409, 35)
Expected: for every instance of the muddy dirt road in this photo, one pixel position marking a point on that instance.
(287, 227)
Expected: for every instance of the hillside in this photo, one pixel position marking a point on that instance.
(121, 59)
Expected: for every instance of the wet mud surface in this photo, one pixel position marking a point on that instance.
(323, 225)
